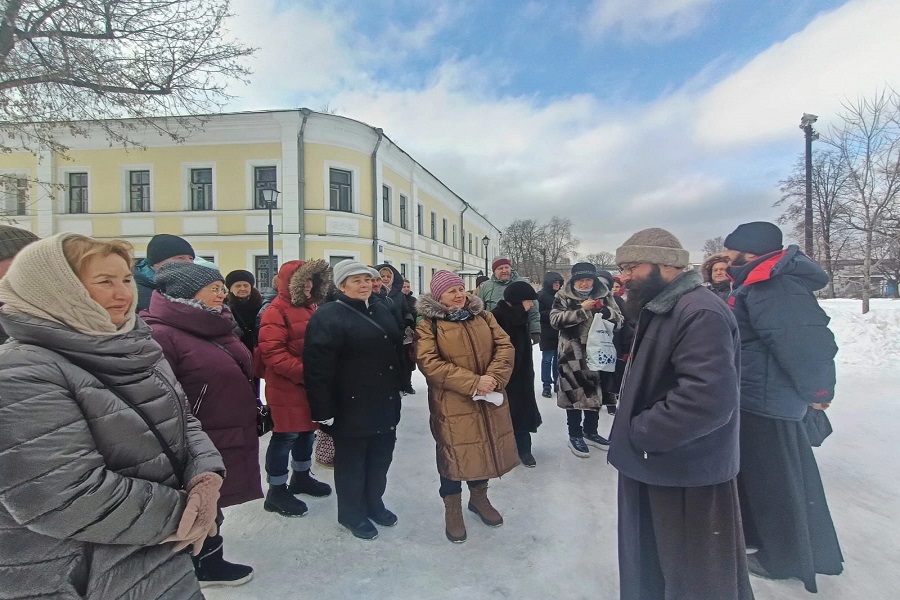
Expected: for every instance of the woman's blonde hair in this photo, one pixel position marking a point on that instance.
(79, 248)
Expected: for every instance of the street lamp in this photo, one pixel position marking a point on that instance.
(486, 241)
(269, 199)
(806, 124)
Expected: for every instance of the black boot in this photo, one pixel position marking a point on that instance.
(302, 482)
(279, 499)
(211, 567)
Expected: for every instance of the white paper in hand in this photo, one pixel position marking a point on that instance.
(492, 397)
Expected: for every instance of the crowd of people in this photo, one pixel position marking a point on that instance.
(130, 413)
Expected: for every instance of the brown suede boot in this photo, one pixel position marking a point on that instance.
(481, 506)
(455, 526)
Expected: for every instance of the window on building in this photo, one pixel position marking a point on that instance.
(433, 226)
(420, 270)
(333, 260)
(15, 192)
(444, 230)
(139, 191)
(264, 178)
(433, 271)
(403, 269)
(454, 236)
(386, 209)
(341, 188)
(470, 243)
(78, 193)
(404, 209)
(201, 189)
(261, 270)
(420, 219)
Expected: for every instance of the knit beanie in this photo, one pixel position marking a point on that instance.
(13, 239)
(758, 237)
(239, 275)
(481, 279)
(519, 291)
(654, 245)
(499, 262)
(443, 281)
(183, 280)
(41, 283)
(348, 268)
(163, 246)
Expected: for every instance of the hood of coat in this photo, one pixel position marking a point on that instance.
(782, 263)
(318, 272)
(427, 306)
(144, 274)
(514, 314)
(397, 282)
(187, 316)
(666, 300)
(550, 278)
(708, 264)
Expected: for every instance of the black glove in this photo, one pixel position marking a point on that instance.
(535, 338)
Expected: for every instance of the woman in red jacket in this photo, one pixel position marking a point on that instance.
(301, 285)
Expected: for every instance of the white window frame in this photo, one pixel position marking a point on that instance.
(250, 182)
(125, 187)
(390, 202)
(404, 199)
(355, 182)
(63, 175)
(18, 174)
(186, 185)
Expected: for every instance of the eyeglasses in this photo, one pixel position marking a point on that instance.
(629, 268)
(218, 289)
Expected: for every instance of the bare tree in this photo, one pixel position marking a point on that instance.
(520, 242)
(831, 235)
(71, 68)
(558, 242)
(713, 246)
(868, 142)
(602, 260)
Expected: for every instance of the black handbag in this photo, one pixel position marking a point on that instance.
(817, 426)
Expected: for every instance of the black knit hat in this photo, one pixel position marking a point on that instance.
(758, 237)
(164, 245)
(519, 291)
(239, 275)
(184, 280)
(481, 279)
(584, 270)
(13, 239)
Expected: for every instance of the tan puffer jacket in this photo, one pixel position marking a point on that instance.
(474, 438)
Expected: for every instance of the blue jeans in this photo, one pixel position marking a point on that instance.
(549, 370)
(297, 445)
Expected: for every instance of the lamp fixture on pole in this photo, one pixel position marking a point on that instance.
(486, 241)
(269, 199)
(810, 134)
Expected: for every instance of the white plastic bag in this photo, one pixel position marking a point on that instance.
(601, 353)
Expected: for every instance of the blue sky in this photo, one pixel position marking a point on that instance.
(619, 114)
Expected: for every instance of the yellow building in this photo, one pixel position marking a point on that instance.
(346, 191)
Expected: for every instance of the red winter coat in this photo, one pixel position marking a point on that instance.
(281, 333)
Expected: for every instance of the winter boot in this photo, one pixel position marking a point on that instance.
(481, 506)
(546, 393)
(578, 447)
(279, 499)
(454, 527)
(302, 482)
(211, 567)
(596, 440)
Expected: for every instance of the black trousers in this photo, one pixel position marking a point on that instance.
(523, 442)
(679, 543)
(450, 487)
(573, 420)
(360, 475)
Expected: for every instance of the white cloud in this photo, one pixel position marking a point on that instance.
(647, 20)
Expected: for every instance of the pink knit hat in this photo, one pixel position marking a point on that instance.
(443, 281)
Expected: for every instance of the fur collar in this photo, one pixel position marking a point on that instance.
(427, 306)
(304, 273)
(672, 293)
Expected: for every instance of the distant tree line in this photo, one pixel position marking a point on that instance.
(535, 248)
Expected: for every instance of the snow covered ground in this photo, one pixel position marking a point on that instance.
(559, 539)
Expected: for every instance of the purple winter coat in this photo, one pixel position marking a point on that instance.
(219, 391)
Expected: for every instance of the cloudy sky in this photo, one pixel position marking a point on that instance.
(619, 114)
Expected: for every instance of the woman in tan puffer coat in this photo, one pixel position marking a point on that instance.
(462, 351)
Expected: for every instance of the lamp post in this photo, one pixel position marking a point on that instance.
(486, 241)
(806, 124)
(269, 199)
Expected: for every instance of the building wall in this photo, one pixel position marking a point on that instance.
(234, 233)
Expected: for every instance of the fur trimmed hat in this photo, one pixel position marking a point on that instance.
(758, 237)
(583, 270)
(443, 281)
(239, 275)
(13, 239)
(656, 246)
(184, 280)
(164, 245)
(519, 291)
(499, 262)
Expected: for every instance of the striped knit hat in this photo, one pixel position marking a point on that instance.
(13, 239)
(443, 281)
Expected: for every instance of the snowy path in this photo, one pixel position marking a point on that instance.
(559, 539)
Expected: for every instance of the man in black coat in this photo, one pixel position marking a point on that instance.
(549, 336)
(675, 437)
(787, 369)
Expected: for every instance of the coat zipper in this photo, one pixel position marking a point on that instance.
(484, 416)
(182, 417)
(637, 330)
(196, 409)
